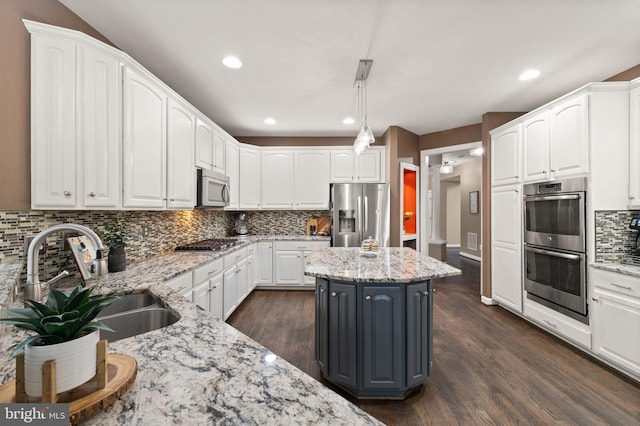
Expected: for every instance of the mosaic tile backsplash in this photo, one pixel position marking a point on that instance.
(614, 239)
(151, 232)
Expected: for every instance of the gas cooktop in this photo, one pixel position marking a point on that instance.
(213, 244)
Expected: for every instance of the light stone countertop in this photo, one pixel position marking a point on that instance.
(389, 265)
(620, 268)
(200, 370)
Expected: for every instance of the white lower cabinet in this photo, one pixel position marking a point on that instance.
(230, 291)
(264, 263)
(201, 295)
(289, 259)
(251, 267)
(558, 323)
(216, 296)
(234, 282)
(615, 311)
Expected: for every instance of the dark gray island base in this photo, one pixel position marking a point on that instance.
(374, 319)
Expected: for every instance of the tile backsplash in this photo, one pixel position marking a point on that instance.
(152, 232)
(614, 239)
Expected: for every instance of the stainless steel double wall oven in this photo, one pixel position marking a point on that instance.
(555, 245)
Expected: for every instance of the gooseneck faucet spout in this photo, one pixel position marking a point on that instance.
(33, 287)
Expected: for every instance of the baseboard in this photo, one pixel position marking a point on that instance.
(453, 245)
(487, 300)
(470, 256)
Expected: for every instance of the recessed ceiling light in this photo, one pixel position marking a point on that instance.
(269, 120)
(232, 62)
(529, 74)
(348, 120)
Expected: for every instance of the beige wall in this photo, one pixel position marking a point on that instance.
(457, 136)
(451, 191)
(15, 174)
(470, 180)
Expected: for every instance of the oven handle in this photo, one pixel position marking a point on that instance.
(553, 197)
(554, 253)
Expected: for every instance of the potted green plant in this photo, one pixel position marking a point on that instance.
(114, 236)
(65, 332)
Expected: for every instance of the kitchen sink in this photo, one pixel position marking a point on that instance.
(135, 314)
(129, 302)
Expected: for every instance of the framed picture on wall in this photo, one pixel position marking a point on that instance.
(473, 202)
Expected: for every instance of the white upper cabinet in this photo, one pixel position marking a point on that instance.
(181, 174)
(144, 142)
(634, 148)
(232, 165)
(535, 146)
(277, 180)
(101, 135)
(204, 144)
(219, 157)
(569, 152)
(250, 175)
(53, 120)
(366, 167)
(505, 155)
(311, 178)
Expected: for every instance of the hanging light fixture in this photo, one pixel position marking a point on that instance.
(446, 168)
(365, 135)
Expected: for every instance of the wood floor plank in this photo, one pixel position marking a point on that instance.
(491, 367)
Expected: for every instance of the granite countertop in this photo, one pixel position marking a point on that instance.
(200, 370)
(621, 268)
(390, 265)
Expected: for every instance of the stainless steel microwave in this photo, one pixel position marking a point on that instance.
(213, 189)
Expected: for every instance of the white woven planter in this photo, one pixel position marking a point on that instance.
(75, 363)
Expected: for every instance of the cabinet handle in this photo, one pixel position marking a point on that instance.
(367, 298)
(425, 293)
(334, 294)
(92, 194)
(66, 193)
(594, 299)
(620, 286)
(551, 324)
(631, 197)
(321, 289)
(553, 170)
(212, 272)
(517, 177)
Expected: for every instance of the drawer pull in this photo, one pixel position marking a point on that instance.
(367, 298)
(621, 286)
(549, 323)
(334, 294)
(425, 293)
(321, 289)
(212, 272)
(594, 299)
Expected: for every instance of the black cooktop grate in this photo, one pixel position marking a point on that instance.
(213, 244)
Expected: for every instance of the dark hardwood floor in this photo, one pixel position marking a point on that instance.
(490, 366)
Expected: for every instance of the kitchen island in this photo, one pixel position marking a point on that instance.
(199, 370)
(374, 318)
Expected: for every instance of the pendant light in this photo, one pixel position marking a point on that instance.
(365, 135)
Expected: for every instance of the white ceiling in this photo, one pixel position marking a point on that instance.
(438, 64)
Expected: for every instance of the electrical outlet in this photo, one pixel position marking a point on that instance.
(27, 242)
(145, 231)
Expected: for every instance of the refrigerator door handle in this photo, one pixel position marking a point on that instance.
(366, 217)
(359, 218)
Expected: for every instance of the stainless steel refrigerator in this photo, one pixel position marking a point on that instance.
(359, 211)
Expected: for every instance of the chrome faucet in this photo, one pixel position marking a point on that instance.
(34, 289)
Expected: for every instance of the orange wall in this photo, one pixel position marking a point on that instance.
(15, 125)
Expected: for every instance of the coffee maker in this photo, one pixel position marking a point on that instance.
(635, 225)
(240, 227)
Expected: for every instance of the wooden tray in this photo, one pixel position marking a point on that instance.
(87, 400)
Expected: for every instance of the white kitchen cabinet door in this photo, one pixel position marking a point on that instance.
(342, 166)
(287, 267)
(535, 147)
(634, 148)
(203, 144)
(201, 295)
(181, 173)
(144, 142)
(311, 180)
(264, 263)
(53, 123)
(216, 302)
(616, 333)
(101, 130)
(505, 156)
(569, 143)
(251, 270)
(242, 270)
(506, 246)
(232, 165)
(277, 180)
(369, 166)
(307, 279)
(219, 158)
(250, 175)
(230, 291)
